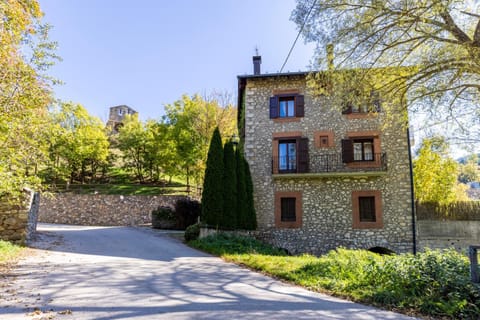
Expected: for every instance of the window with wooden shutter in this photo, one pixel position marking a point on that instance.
(303, 158)
(347, 150)
(273, 107)
(287, 106)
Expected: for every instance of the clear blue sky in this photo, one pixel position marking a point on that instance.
(148, 53)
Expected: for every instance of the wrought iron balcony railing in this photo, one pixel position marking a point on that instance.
(325, 163)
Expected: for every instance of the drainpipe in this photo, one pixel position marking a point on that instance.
(412, 193)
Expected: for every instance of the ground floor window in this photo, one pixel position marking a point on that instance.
(288, 209)
(367, 209)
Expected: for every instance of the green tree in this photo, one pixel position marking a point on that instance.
(132, 142)
(25, 54)
(250, 215)
(229, 217)
(469, 170)
(193, 120)
(435, 174)
(78, 144)
(440, 38)
(212, 195)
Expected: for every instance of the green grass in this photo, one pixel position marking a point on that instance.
(124, 189)
(433, 283)
(8, 251)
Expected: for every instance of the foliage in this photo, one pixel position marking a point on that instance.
(163, 218)
(241, 190)
(187, 212)
(435, 174)
(457, 210)
(469, 170)
(441, 38)
(121, 188)
(229, 217)
(8, 251)
(435, 283)
(164, 212)
(132, 140)
(192, 232)
(25, 53)
(212, 195)
(78, 144)
(192, 121)
(250, 214)
(225, 244)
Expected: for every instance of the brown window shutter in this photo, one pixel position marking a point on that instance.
(273, 107)
(299, 106)
(303, 158)
(347, 150)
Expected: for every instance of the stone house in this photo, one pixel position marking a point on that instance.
(324, 176)
(116, 116)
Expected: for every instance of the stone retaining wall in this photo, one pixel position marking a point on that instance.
(18, 217)
(101, 210)
(458, 235)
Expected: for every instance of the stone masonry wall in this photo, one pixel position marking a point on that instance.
(101, 210)
(18, 217)
(327, 199)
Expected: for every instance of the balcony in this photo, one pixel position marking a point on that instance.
(328, 165)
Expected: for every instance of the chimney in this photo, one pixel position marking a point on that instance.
(330, 57)
(257, 60)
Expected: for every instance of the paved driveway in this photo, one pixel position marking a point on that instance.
(135, 273)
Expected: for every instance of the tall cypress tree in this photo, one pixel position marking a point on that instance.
(229, 218)
(241, 190)
(212, 195)
(251, 215)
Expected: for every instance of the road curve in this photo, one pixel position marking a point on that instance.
(101, 273)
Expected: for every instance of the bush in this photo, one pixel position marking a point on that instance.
(192, 232)
(187, 212)
(212, 195)
(163, 218)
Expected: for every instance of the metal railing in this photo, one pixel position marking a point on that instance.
(331, 162)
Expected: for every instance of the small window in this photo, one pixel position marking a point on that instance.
(288, 210)
(366, 208)
(323, 141)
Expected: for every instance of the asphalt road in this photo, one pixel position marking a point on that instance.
(137, 273)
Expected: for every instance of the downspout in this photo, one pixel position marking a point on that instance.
(414, 227)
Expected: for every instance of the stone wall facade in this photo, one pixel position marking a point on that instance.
(18, 217)
(101, 210)
(458, 235)
(327, 199)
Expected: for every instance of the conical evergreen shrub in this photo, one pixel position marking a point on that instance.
(241, 191)
(251, 215)
(212, 195)
(229, 218)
